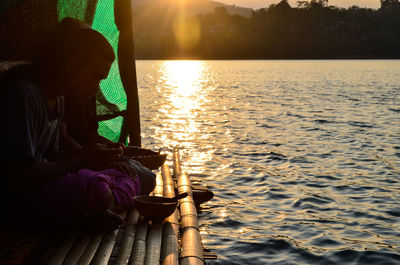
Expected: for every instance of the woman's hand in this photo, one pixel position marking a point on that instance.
(137, 151)
(99, 157)
(116, 145)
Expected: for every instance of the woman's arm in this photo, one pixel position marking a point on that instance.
(27, 174)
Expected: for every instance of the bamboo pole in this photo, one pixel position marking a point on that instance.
(77, 251)
(169, 249)
(139, 244)
(153, 243)
(176, 163)
(188, 212)
(191, 249)
(169, 191)
(127, 239)
(91, 249)
(104, 251)
(146, 238)
(62, 251)
(154, 235)
(159, 188)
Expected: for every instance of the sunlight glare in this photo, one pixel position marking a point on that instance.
(187, 32)
(184, 76)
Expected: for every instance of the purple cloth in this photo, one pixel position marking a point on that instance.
(97, 184)
(75, 194)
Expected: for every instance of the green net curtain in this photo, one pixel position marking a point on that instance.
(73, 8)
(111, 87)
(101, 16)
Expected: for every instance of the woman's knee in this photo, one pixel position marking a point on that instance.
(100, 196)
(148, 183)
(146, 176)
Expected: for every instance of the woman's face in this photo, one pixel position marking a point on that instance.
(83, 80)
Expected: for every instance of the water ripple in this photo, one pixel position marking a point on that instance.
(303, 156)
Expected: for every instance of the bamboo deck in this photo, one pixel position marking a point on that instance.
(174, 241)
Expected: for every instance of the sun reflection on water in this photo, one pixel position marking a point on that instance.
(184, 77)
(184, 89)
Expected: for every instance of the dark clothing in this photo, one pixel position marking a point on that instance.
(30, 129)
(81, 120)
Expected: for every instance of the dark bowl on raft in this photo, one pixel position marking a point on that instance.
(153, 207)
(152, 161)
(148, 158)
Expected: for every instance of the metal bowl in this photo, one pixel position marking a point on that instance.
(154, 207)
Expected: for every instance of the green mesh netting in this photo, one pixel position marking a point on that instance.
(102, 20)
(71, 8)
(112, 87)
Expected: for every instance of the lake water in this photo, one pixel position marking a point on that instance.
(303, 156)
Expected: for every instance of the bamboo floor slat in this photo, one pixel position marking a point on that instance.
(153, 244)
(191, 247)
(174, 241)
(169, 249)
(62, 251)
(90, 250)
(77, 251)
(128, 238)
(154, 236)
(104, 251)
(139, 244)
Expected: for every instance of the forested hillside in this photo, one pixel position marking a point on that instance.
(310, 30)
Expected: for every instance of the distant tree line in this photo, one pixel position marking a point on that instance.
(313, 29)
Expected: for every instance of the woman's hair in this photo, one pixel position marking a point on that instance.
(70, 38)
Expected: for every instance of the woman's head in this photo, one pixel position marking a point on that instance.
(75, 56)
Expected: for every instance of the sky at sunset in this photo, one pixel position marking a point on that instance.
(265, 3)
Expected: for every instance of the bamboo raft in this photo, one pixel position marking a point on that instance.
(176, 240)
